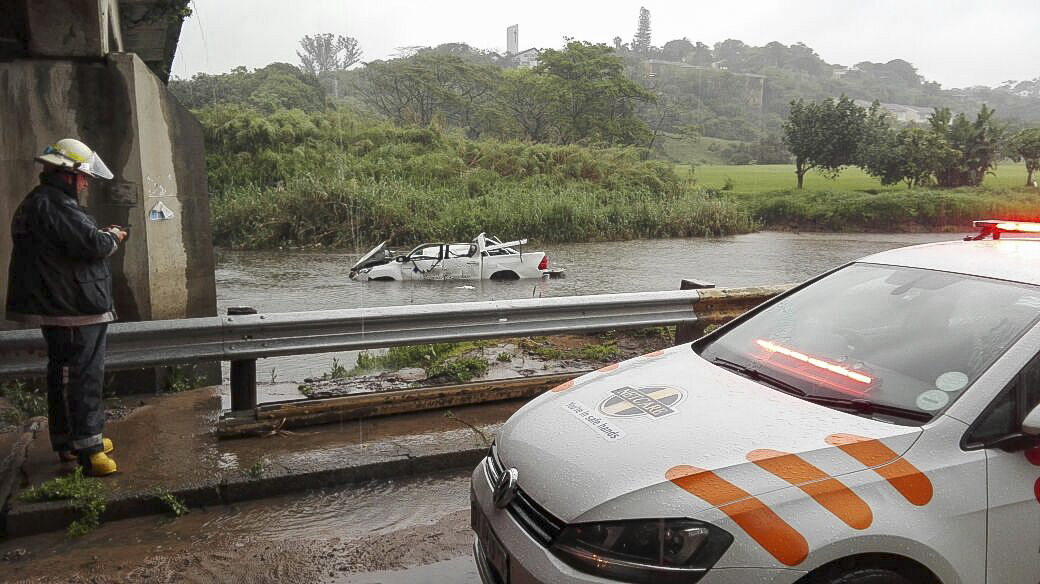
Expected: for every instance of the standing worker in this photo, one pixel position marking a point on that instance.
(59, 280)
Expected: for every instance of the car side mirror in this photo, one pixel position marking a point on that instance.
(1031, 425)
(400, 258)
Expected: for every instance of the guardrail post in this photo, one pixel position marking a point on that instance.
(243, 373)
(685, 333)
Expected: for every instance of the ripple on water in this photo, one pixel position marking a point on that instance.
(378, 507)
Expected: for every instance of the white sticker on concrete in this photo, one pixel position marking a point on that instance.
(160, 212)
(606, 430)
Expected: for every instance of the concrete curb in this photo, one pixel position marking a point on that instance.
(24, 519)
(11, 466)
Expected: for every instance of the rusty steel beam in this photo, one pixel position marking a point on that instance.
(297, 413)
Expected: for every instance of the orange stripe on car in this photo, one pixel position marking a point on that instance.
(654, 354)
(829, 492)
(754, 517)
(608, 368)
(913, 484)
(563, 386)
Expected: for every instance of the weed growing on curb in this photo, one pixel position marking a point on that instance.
(173, 503)
(443, 361)
(504, 357)
(183, 379)
(338, 371)
(26, 400)
(258, 469)
(86, 494)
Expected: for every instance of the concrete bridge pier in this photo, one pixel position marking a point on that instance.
(65, 72)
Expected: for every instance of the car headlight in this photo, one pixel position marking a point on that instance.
(657, 551)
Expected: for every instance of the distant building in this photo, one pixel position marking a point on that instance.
(902, 113)
(512, 39)
(523, 59)
(526, 59)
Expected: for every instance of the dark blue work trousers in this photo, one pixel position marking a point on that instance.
(75, 378)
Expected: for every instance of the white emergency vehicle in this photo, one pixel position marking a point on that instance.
(876, 425)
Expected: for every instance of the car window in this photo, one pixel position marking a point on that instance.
(461, 250)
(426, 251)
(904, 337)
(1005, 415)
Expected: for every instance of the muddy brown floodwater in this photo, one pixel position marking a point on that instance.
(383, 532)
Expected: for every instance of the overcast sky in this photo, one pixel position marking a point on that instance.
(955, 42)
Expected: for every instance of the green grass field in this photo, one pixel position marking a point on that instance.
(777, 177)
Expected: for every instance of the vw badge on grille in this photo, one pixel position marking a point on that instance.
(505, 488)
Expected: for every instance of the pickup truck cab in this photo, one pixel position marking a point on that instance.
(877, 424)
(485, 258)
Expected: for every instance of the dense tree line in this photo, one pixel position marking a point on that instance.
(628, 94)
(951, 151)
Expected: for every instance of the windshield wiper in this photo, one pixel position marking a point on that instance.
(855, 406)
(757, 375)
(867, 407)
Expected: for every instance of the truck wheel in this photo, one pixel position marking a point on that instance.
(505, 275)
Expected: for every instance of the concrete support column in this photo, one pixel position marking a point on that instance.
(72, 28)
(155, 149)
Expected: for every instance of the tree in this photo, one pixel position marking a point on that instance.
(527, 96)
(415, 89)
(825, 136)
(326, 52)
(677, 50)
(593, 100)
(731, 53)
(977, 145)
(276, 86)
(701, 55)
(1025, 145)
(913, 155)
(641, 42)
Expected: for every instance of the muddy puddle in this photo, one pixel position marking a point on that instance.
(381, 532)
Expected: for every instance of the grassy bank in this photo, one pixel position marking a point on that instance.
(899, 210)
(353, 213)
(763, 178)
(337, 179)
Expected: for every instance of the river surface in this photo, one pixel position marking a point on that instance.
(286, 281)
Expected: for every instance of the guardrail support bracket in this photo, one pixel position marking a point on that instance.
(243, 373)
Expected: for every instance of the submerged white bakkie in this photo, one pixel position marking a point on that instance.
(875, 425)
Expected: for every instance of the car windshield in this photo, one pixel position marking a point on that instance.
(899, 344)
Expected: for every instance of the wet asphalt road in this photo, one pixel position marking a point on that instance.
(386, 532)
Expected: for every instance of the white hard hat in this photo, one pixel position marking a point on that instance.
(73, 154)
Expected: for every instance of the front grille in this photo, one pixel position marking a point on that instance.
(531, 516)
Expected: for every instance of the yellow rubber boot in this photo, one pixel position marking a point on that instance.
(97, 464)
(70, 456)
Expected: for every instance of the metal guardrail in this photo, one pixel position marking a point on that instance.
(242, 337)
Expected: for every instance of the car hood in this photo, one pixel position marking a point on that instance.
(619, 434)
